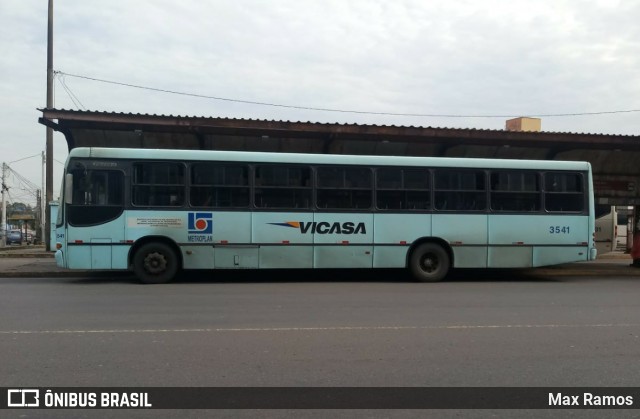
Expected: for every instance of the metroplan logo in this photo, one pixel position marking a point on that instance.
(200, 223)
(200, 227)
(323, 227)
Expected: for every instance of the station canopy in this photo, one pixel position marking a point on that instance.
(615, 158)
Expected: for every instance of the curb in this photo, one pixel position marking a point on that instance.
(25, 252)
(65, 274)
(27, 255)
(626, 272)
(10, 248)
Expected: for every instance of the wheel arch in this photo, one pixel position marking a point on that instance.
(436, 240)
(154, 239)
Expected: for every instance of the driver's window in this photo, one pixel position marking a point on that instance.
(97, 187)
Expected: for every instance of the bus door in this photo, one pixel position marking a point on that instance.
(94, 219)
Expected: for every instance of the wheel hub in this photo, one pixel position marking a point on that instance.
(430, 263)
(155, 263)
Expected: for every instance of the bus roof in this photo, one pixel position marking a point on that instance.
(270, 157)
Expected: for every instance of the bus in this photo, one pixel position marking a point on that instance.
(159, 212)
(625, 226)
(606, 228)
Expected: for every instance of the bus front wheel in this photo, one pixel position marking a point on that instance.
(429, 262)
(155, 263)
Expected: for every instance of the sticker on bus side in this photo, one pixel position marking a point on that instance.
(200, 227)
(150, 221)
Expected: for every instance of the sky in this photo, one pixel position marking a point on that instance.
(401, 62)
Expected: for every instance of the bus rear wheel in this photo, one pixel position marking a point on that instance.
(155, 263)
(429, 262)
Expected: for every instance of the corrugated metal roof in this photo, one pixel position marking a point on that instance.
(70, 112)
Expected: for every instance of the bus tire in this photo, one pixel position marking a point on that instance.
(155, 263)
(429, 262)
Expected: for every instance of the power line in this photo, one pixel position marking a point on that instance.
(23, 180)
(76, 101)
(25, 158)
(309, 108)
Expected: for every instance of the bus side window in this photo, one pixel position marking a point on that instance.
(344, 187)
(282, 186)
(564, 192)
(402, 189)
(460, 190)
(158, 184)
(219, 185)
(515, 191)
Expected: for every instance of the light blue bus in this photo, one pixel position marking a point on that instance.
(158, 212)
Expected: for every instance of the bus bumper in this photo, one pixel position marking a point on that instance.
(59, 259)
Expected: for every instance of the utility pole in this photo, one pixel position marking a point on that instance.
(3, 222)
(39, 216)
(43, 202)
(49, 150)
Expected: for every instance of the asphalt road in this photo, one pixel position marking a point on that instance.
(362, 328)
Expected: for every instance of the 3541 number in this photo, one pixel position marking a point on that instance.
(559, 230)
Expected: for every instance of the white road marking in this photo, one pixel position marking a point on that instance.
(316, 329)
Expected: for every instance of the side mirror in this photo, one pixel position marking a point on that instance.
(68, 188)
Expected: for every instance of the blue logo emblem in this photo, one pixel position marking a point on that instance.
(200, 223)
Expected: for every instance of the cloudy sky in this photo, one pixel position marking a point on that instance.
(375, 61)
